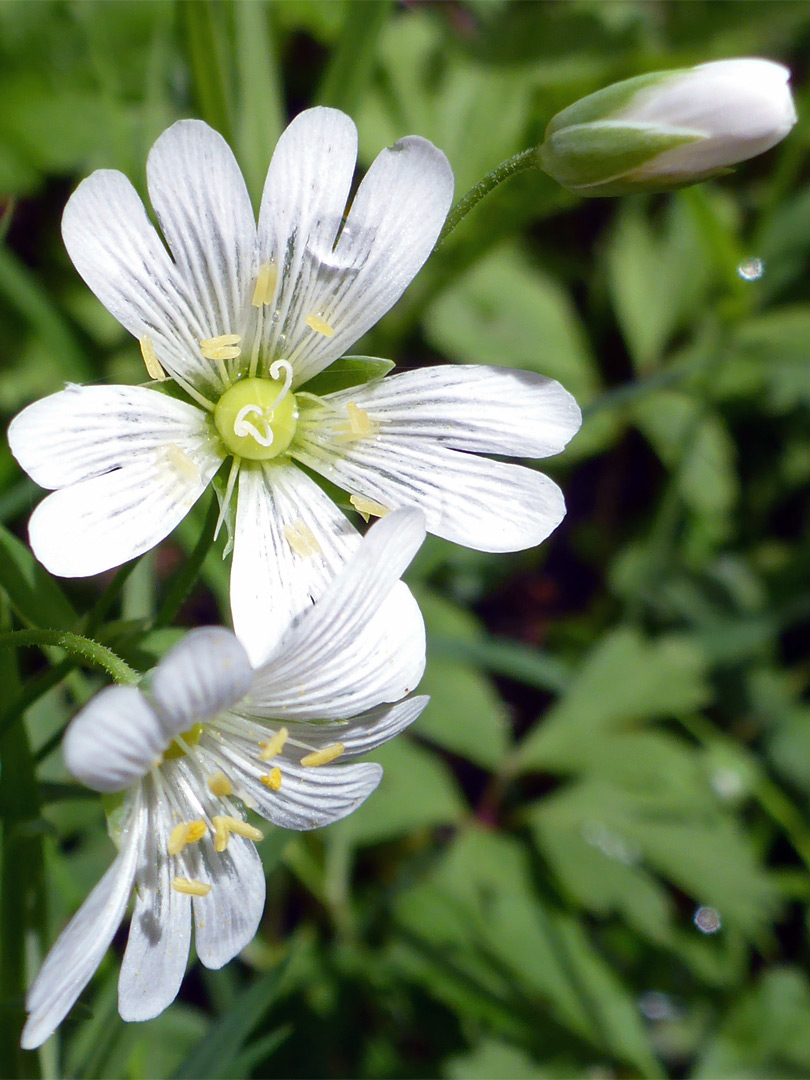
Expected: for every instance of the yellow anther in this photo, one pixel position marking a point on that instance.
(359, 421)
(266, 282)
(182, 464)
(274, 745)
(273, 779)
(224, 826)
(187, 832)
(301, 539)
(189, 887)
(153, 366)
(319, 325)
(224, 347)
(220, 785)
(367, 508)
(324, 755)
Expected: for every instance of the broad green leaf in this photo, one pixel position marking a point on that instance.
(465, 714)
(697, 847)
(346, 372)
(506, 312)
(765, 1033)
(33, 593)
(480, 910)
(625, 679)
(696, 445)
(417, 791)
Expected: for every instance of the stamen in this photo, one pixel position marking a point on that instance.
(324, 755)
(153, 366)
(273, 779)
(182, 464)
(360, 426)
(220, 785)
(319, 325)
(187, 832)
(274, 745)
(226, 498)
(368, 507)
(189, 887)
(224, 826)
(266, 283)
(223, 347)
(301, 539)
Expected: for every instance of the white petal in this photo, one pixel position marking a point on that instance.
(469, 407)
(486, 505)
(119, 254)
(80, 947)
(308, 797)
(204, 210)
(364, 733)
(304, 198)
(114, 740)
(394, 222)
(85, 431)
(207, 672)
(108, 519)
(363, 643)
(280, 511)
(160, 931)
(227, 919)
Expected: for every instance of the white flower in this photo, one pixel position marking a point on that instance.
(669, 127)
(206, 734)
(242, 320)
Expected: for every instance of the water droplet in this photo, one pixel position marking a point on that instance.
(657, 1006)
(727, 783)
(751, 269)
(707, 920)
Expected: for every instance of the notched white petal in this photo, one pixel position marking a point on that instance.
(114, 740)
(207, 672)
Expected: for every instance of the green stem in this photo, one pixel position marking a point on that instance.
(81, 648)
(188, 573)
(522, 162)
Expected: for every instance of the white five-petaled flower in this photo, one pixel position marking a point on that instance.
(206, 734)
(242, 319)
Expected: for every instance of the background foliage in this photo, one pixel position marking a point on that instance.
(591, 858)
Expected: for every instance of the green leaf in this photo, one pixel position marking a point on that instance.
(351, 65)
(33, 593)
(215, 1055)
(346, 372)
(624, 680)
(506, 312)
(765, 1033)
(480, 911)
(465, 714)
(260, 118)
(417, 791)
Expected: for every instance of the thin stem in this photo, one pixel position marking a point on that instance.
(522, 162)
(81, 648)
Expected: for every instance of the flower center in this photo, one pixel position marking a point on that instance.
(256, 417)
(178, 748)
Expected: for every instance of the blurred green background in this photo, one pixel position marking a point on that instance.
(591, 856)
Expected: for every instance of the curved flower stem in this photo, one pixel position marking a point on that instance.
(81, 648)
(527, 159)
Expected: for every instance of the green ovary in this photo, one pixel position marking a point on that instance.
(190, 738)
(256, 418)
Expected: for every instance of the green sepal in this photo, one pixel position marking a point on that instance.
(607, 103)
(116, 807)
(346, 372)
(609, 158)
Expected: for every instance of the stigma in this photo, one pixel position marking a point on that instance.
(256, 417)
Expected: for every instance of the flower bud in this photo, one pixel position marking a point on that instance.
(669, 128)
